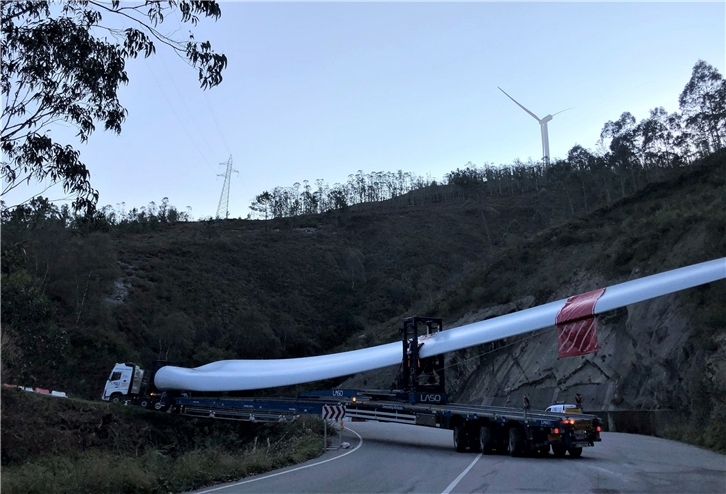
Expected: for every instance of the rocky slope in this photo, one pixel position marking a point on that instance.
(665, 354)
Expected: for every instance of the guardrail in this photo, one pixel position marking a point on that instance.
(646, 422)
(40, 391)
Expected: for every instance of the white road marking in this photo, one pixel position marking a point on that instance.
(289, 471)
(461, 476)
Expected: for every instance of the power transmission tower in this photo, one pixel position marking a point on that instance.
(222, 209)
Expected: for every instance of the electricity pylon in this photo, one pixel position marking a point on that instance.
(222, 209)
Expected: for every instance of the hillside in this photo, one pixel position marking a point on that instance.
(196, 292)
(664, 354)
(79, 296)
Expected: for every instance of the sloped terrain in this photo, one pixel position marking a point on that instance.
(664, 354)
(65, 445)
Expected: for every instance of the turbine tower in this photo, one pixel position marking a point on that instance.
(222, 209)
(542, 125)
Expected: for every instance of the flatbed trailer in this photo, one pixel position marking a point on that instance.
(475, 428)
(419, 400)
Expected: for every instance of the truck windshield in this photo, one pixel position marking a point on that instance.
(115, 376)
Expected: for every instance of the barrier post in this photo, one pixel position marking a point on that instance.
(325, 434)
(342, 427)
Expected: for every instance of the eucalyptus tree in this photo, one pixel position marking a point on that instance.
(623, 156)
(64, 62)
(703, 104)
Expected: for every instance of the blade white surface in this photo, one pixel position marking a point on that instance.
(238, 375)
(518, 104)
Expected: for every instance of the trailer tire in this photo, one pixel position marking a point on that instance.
(460, 440)
(559, 450)
(515, 444)
(575, 452)
(485, 440)
(115, 398)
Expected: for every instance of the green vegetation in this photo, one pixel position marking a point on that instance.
(636, 154)
(67, 63)
(83, 291)
(61, 446)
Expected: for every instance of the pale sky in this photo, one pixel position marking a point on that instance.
(322, 90)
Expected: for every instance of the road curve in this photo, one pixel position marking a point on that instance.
(404, 458)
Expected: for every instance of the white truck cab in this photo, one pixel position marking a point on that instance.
(563, 408)
(124, 382)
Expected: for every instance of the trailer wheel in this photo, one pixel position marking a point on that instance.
(485, 440)
(575, 452)
(460, 438)
(115, 398)
(559, 450)
(515, 442)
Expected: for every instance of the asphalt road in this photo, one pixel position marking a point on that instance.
(404, 458)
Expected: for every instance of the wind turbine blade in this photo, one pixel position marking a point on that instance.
(239, 375)
(562, 111)
(523, 108)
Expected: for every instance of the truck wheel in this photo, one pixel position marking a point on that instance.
(144, 403)
(575, 452)
(159, 407)
(115, 398)
(485, 440)
(459, 438)
(515, 442)
(559, 450)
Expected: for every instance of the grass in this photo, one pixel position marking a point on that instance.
(154, 471)
(75, 446)
(267, 289)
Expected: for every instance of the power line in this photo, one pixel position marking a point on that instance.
(177, 115)
(211, 110)
(181, 98)
(216, 123)
(174, 109)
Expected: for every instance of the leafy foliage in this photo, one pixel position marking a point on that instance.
(28, 321)
(141, 284)
(361, 188)
(634, 155)
(57, 66)
(703, 103)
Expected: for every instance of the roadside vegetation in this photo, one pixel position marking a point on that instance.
(56, 445)
(82, 291)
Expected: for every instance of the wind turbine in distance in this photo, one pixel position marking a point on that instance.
(542, 125)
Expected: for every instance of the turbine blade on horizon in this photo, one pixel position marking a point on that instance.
(570, 108)
(522, 107)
